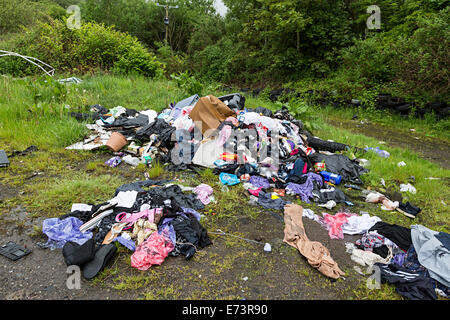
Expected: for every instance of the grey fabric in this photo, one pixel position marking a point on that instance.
(431, 253)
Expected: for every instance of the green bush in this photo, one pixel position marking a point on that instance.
(92, 47)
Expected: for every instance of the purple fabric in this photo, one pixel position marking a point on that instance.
(203, 192)
(259, 182)
(166, 225)
(130, 244)
(305, 190)
(60, 231)
(399, 259)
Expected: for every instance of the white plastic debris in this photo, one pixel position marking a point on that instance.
(133, 161)
(267, 247)
(401, 164)
(407, 188)
(329, 205)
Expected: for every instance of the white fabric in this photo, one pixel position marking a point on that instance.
(364, 258)
(125, 199)
(359, 224)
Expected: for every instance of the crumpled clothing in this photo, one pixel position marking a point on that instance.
(255, 192)
(61, 231)
(203, 192)
(224, 135)
(317, 255)
(371, 240)
(359, 224)
(265, 200)
(305, 190)
(376, 197)
(365, 258)
(259, 182)
(431, 253)
(334, 224)
(142, 229)
(192, 235)
(152, 251)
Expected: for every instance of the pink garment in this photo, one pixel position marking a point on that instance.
(255, 192)
(152, 251)
(203, 192)
(132, 218)
(334, 224)
(234, 120)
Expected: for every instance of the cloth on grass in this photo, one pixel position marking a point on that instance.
(204, 192)
(408, 284)
(365, 258)
(265, 200)
(194, 234)
(294, 234)
(401, 236)
(431, 253)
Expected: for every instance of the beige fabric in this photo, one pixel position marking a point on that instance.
(317, 255)
(210, 111)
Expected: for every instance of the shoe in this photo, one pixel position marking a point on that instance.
(408, 210)
(103, 256)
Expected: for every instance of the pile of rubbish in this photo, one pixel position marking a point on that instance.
(269, 153)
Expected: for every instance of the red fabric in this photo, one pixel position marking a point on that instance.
(152, 251)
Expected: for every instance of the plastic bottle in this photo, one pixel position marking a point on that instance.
(331, 177)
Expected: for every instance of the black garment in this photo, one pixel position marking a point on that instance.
(123, 121)
(409, 208)
(159, 127)
(193, 234)
(75, 254)
(408, 284)
(322, 145)
(444, 238)
(246, 169)
(348, 169)
(327, 193)
(169, 198)
(228, 168)
(265, 200)
(235, 100)
(137, 186)
(401, 236)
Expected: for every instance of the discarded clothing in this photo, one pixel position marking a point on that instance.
(408, 284)
(334, 224)
(204, 192)
(431, 253)
(266, 201)
(359, 224)
(317, 255)
(194, 234)
(152, 252)
(401, 236)
(444, 238)
(349, 170)
(229, 179)
(305, 190)
(61, 231)
(365, 258)
(259, 182)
